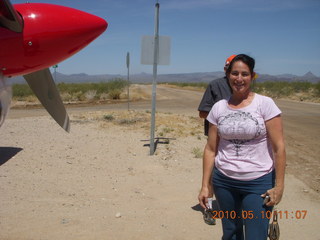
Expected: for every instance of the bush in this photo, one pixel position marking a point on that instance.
(301, 86)
(21, 91)
(317, 89)
(77, 91)
(115, 94)
(108, 117)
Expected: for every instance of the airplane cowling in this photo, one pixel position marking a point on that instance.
(51, 34)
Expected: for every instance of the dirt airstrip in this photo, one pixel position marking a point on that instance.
(99, 181)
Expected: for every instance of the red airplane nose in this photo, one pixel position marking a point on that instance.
(51, 33)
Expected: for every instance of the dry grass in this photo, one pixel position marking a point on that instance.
(192, 88)
(167, 125)
(137, 93)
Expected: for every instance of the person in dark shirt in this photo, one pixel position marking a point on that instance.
(217, 89)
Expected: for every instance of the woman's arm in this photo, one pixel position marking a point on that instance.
(275, 133)
(207, 165)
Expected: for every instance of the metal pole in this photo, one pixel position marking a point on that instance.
(154, 83)
(128, 65)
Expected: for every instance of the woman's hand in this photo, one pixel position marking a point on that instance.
(205, 193)
(274, 194)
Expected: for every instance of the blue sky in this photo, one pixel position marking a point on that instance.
(282, 35)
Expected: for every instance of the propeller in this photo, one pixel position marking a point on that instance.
(9, 17)
(5, 98)
(43, 86)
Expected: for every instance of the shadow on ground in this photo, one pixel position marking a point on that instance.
(6, 153)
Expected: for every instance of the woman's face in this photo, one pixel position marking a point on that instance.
(240, 78)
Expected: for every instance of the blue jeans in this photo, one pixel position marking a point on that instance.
(242, 212)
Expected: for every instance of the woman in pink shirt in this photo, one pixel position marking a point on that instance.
(244, 158)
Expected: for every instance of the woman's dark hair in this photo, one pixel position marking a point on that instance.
(249, 61)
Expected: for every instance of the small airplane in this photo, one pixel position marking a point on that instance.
(34, 37)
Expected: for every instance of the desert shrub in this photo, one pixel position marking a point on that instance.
(301, 86)
(258, 88)
(115, 94)
(317, 89)
(197, 152)
(165, 131)
(99, 88)
(117, 83)
(78, 91)
(274, 89)
(127, 121)
(79, 96)
(287, 89)
(108, 117)
(75, 88)
(91, 94)
(21, 91)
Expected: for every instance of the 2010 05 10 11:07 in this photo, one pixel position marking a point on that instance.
(248, 214)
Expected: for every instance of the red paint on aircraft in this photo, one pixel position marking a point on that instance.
(51, 34)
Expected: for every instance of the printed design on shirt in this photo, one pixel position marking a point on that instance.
(239, 128)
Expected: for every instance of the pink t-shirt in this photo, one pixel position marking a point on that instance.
(244, 150)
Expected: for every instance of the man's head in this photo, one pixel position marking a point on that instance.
(228, 61)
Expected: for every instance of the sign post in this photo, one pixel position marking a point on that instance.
(154, 82)
(155, 51)
(128, 65)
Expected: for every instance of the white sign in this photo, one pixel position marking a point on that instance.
(147, 50)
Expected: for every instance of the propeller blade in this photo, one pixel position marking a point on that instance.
(42, 84)
(5, 98)
(9, 17)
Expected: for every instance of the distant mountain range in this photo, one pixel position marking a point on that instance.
(178, 77)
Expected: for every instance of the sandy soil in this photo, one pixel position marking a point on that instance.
(99, 181)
